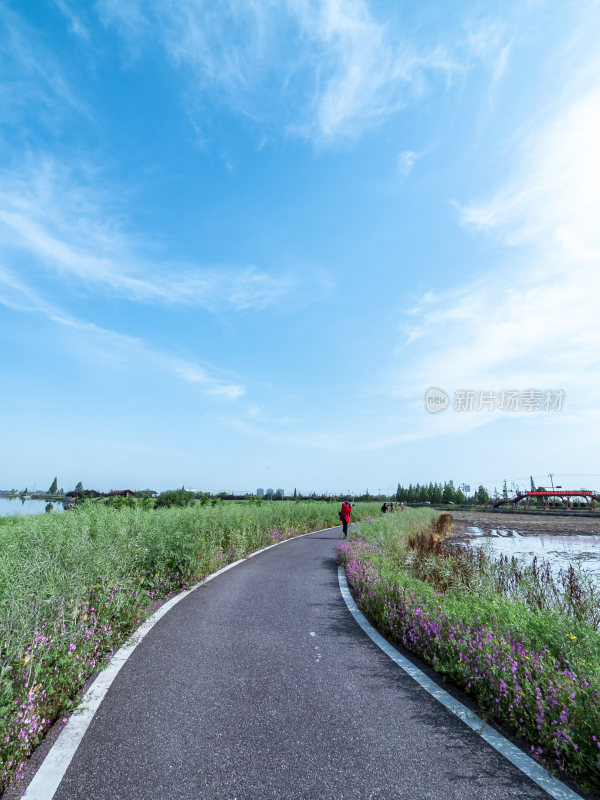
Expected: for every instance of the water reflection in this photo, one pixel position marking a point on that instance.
(560, 550)
(11, 506)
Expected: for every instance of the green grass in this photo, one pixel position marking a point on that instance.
(532, 665)
(478, 588)
(73, 586)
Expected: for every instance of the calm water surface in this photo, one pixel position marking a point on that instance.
(11, 506)
(559, 549)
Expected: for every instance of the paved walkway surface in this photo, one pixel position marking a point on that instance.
(261, 685)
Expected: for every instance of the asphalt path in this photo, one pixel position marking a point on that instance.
(260, 684)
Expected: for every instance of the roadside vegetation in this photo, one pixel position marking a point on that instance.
(73, 586)
(523, 642)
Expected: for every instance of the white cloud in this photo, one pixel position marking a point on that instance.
(324, 70)
(64, 227)
(76, 26)
(32, 80)
(406, 161)
(552, 200)
(113, 348)
(490, 41)
(365, 73)
(533, 321)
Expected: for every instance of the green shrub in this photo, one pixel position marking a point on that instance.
(176, 497)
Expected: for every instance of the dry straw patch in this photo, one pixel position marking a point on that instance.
(429, 537)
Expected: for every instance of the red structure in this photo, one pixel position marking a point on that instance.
(565, 498)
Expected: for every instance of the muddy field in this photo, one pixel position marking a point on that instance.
(525, 523)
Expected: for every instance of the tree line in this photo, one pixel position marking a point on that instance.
(438, 493)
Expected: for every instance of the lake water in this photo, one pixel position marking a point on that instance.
(11, 506)
(559, 549)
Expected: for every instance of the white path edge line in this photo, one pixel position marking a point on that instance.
(534, 771)
(47, 779)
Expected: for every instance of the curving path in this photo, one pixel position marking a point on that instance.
(261, 685)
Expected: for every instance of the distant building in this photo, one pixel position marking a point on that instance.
(260, 492)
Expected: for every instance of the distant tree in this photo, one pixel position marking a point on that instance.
(449, 493)
(54, 486)
(532, 484)
(295, 494)
(79, 487)
(504, 491)
(49, 507)
(481, 497)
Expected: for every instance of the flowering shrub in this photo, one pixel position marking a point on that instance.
(547, 702)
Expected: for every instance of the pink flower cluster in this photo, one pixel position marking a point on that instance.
(547, 705)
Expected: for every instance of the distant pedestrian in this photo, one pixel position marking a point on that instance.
(345, 516)
(401, 506)
(384, 508)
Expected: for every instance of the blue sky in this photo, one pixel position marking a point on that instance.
(240, 240)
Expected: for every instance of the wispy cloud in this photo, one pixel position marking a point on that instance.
(533, 320)
(114, 348)
(345, 71)
(406, 161)
(33, 84)
(76, 26)
(552, 200)
(64, 227)
(490, 41)
(365, 72)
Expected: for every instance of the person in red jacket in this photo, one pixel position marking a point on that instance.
(345, 516)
